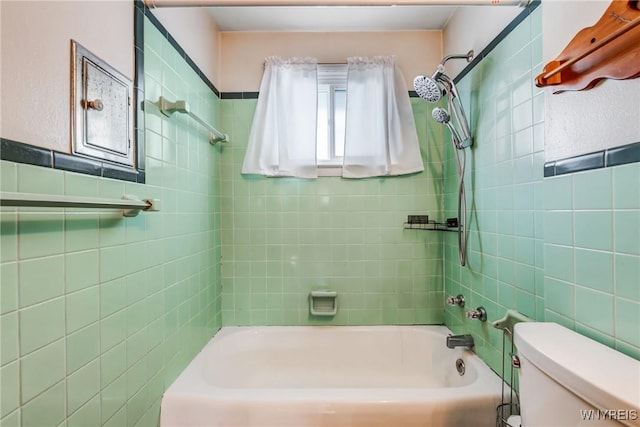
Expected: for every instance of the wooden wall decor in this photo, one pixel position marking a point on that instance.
(608, 50)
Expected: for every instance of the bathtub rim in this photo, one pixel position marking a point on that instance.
(191, 384)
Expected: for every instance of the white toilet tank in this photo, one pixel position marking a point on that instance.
(567, 379)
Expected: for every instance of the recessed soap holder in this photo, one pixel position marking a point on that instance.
(323, 303)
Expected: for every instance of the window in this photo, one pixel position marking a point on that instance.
(332, 107)
(300, 121)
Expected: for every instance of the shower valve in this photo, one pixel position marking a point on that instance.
(457, 300)
(479, 313)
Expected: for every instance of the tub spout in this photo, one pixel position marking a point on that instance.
(454, 341)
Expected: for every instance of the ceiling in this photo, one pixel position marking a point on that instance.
(331, 18)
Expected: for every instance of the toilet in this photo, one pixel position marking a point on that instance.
(567, 379)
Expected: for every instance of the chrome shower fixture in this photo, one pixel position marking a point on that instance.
(443, 117)
(432, 89)
(468, 56)
(427, 88)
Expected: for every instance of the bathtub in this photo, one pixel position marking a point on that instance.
(347, 376)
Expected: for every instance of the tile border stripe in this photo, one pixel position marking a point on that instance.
(254, 95)
(622, 155)
(20, 152)
(14, 151)
(239, 95)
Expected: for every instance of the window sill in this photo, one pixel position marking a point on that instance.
(329, 171)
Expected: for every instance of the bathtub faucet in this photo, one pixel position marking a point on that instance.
(454, 341)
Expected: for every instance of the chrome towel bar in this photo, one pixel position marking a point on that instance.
(168, 108)
(130, 205)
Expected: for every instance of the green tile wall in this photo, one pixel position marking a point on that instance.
(560, 249)
(100, 313)
(600, 260)
(283, 237)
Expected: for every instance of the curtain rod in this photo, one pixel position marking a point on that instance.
(212, 3)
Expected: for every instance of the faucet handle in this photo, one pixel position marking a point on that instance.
(457, 300)
(479, 313)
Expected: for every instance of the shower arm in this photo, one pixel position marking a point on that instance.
(454, 98)
(468, 56)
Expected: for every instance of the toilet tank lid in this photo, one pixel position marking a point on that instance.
(598, 374)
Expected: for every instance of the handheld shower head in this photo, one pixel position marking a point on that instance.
(443, 117)
(427, 88)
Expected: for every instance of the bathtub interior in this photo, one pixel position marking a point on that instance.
(332, 376)
(309, 376)
(335, 357)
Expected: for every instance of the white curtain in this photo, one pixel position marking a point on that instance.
(381, 137)
(282, 141)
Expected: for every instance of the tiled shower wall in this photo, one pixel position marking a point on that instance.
(561, 249)
(592, 254)
(284, 237)
(504, 190)
(100, 313)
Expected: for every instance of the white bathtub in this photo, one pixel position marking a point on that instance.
(369, 376)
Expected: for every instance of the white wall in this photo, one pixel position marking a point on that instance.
(586, 121)
(35, 56)
(35, 49)
(242, 54)
(473, 27)
(196, 32)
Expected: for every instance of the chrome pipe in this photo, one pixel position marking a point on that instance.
(468, 56)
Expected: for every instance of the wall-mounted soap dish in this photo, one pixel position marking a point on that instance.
(323, 303)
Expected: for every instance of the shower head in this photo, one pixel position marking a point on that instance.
(433, 88)
(441, 115)
(427, 88)
(460, 140)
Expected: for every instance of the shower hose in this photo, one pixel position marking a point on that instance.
(461, 161)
